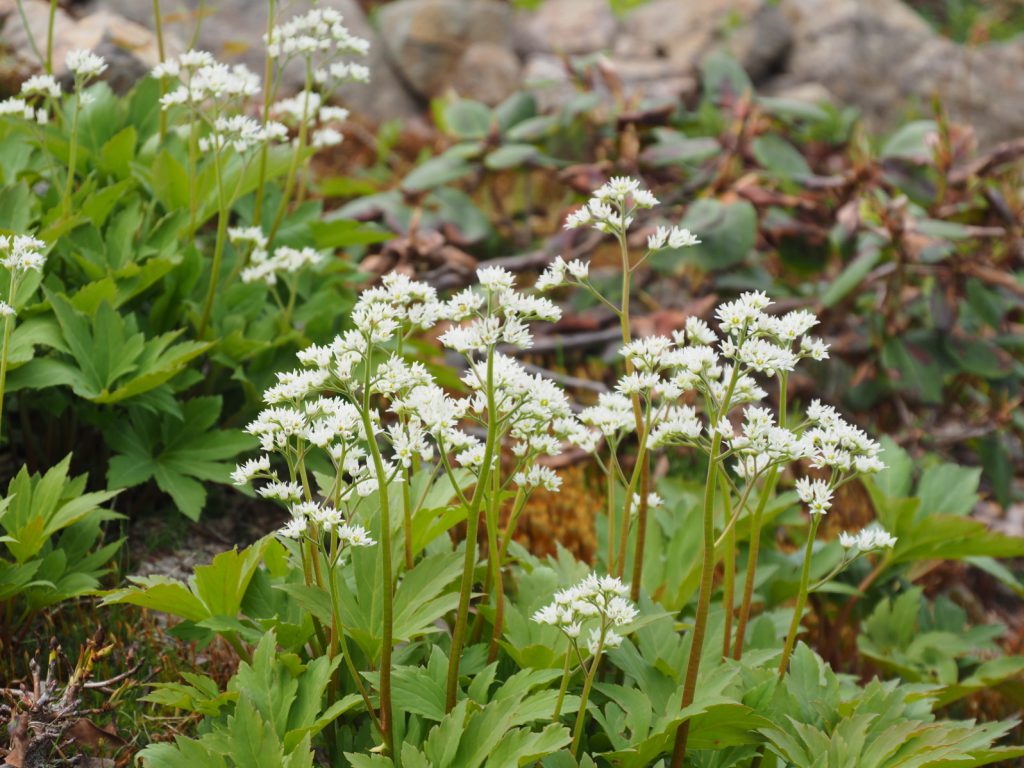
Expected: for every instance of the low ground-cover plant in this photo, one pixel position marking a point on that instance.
(430, 653)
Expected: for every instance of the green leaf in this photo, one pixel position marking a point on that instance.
(777, 155)
(435, 172)
(910, 142)
(342, 233)
(118, 153)
(468, 119)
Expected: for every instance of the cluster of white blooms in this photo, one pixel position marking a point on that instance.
(671, 237)
(816, 494)
(41, 85)
(718, 369)
(358, 400)
(612, 205)
(600, 598)
(20, 108)
(240, 133)
(869, 539)
(319, 31)
(263, 266)
(85, 65)
(21, 253)
(205, 81)
(327, 519)
(306, 107)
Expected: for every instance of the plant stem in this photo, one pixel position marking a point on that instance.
(300, 148)
(28, 33)
(218, 248)
(755, 532)
(49, 37)
(268, 73)
(587, 685)
(8, 327)
(703, 600)
(407, 519)
(72, 157)
(472, 526)
(707, 576)
(801, 598)
(729, 580)
(338, 635)
(387, 618)
(562, 688)
(158, 28)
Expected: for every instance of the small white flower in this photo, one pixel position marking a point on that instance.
(85, 64)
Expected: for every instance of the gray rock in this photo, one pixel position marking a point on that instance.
(566, 26)
(130, 48)
(754, 31)
(487, 72)
(883, 58)
(427, 39)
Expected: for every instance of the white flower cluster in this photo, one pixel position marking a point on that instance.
(319, 31)
(357, 389)
(205, 82)
(612, 205)
(307, 514)
(41, 85)
(600, 598)
(19, 107)
(21, 253)
(263, 266)
(85, 65)
(869, 539)
(816, 494)
(719, 369)
(241, 133)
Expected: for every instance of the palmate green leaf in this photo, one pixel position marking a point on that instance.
(216, 589)
(40, 506)
(423, 595)
(113, 359)
(177, 453)
(523, 746)
(183, 753)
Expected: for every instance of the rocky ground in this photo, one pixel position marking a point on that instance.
(877, 55)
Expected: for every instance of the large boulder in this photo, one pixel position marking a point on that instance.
(437, 44)
(130, 48)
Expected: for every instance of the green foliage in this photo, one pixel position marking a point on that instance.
(52, 532)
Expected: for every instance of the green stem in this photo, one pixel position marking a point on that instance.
(218, 248)
(49, 36)
(8, 327)
(494, 556)
(472, 526)
(729, 580)
(28, 33)
(801, 598)
(755, 533)
(707, 576)
(72, 158)
(293, 167)
(338, 636)
(407, 519)
(387, 618)
(562, 688)
(268, 73)
(158, 28)
(587, 685)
